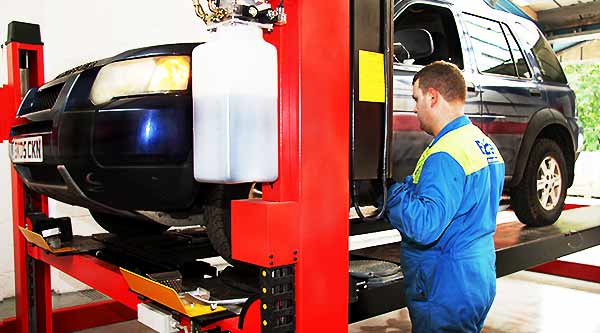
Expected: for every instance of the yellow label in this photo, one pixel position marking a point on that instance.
(371, 77)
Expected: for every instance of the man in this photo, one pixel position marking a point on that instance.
(446, 210)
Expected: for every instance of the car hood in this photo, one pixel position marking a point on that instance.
(150, 51)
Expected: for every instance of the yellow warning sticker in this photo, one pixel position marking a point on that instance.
(371, 77)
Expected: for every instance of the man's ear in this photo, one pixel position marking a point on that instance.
(433, 97)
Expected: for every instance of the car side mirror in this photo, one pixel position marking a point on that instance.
(412, 44)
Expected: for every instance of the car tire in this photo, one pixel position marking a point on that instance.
(126, 226)
(539, 199)
(218, 218)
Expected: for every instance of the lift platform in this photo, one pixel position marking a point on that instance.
(107, 263)
(518, 248)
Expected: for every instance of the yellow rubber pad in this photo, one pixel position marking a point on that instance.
(37, 239)
(165, 295)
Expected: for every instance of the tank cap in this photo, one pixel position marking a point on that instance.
(22, 32)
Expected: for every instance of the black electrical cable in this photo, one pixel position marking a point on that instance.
(384, 168)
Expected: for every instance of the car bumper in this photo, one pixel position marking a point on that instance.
(130, 154)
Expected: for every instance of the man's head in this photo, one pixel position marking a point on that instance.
(439, 91)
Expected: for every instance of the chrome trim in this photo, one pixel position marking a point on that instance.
(23, 101)
(38, 115)
(27, 135)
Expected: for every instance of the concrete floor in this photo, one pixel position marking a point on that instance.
(7, 306)
(526, 302)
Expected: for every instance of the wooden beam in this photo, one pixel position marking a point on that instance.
(578, 15)
(530, 11)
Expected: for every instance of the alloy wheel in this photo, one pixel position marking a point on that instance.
(549, 183)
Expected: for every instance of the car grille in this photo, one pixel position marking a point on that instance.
(45, 99)
(31, 128)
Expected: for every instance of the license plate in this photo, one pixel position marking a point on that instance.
(27, 150)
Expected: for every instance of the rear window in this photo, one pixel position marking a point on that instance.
(543, 53)
(492, 51)
(520, 62)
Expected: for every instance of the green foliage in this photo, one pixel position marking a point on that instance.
(584, 79)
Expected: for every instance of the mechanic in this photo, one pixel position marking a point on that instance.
(446, 210)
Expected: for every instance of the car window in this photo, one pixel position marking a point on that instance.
(549, 64)
(543, 53)
(492, 52)
(517, 53)
(440, 23)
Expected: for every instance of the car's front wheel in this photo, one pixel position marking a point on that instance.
(218, 217)
(539, 199)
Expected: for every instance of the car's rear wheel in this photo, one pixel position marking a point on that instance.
(539, 199)
(127, 226)
(218, 217)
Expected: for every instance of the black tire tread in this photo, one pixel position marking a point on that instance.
(524, 196)
(218, 218)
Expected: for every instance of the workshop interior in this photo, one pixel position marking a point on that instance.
(226, 166)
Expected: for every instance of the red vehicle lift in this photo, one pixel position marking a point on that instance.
(282, 229)
(314, 51)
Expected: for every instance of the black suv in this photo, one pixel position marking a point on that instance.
(124, 150)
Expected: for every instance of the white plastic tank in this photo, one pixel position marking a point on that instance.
(234, 88)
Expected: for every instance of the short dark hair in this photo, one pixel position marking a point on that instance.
(444, 77)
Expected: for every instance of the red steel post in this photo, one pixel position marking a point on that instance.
(42, 291)
(311, 193)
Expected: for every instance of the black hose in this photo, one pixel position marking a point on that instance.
(385, 158)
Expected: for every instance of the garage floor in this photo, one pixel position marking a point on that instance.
(526, 302)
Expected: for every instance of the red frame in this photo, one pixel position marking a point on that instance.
(570, 270)
(303, 217)
(313, 102)
(95, 273)
(43, 299)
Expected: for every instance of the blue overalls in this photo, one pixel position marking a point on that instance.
(446, 214)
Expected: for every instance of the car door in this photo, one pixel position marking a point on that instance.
(509, 93)
(409, 141)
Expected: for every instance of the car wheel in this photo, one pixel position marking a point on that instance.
(218, 218)
(127, 226)
(539, 199)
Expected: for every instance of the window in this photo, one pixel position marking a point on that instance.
(543, 53)
(519, 58)
(440, 23)
(492, 52)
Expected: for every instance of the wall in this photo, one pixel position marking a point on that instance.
(7, 275)
(587, 52)
(587, 175)
(75, 32)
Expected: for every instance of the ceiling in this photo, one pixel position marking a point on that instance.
(565, 20)
(540, 5)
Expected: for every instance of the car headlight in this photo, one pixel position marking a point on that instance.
(141, 76)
